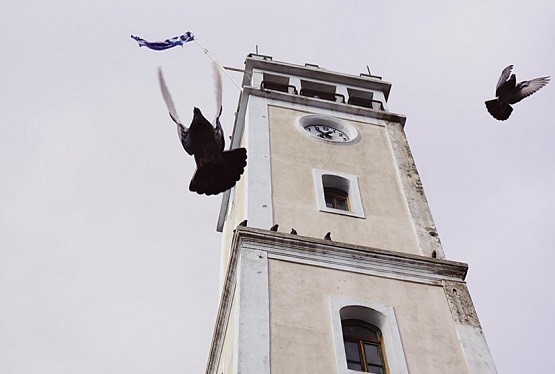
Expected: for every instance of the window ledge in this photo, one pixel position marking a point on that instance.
(341, 211)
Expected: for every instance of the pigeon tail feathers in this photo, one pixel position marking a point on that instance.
(214, 178)
(498, 109)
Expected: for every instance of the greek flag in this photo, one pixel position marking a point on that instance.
(168, 43)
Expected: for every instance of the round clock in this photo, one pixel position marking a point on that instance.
(327, 128)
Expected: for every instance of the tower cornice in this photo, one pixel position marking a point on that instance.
(356, 258)
(325, 104)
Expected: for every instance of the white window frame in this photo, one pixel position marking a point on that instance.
(379, 315)
(352, 189)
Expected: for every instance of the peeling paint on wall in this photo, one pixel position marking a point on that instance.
(426, 232)
(461, 304)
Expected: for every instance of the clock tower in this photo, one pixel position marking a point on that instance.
(354, 278)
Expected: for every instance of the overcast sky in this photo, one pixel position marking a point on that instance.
(109, 265)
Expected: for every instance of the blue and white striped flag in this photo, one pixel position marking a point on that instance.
(168, 43)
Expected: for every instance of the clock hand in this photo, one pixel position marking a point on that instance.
(324, 134)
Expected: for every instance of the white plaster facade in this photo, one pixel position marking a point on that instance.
(281, 294)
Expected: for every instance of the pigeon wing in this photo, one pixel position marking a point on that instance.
(218, 89)
(504, 76)
(168, 98)
(527, 88)
(182, 131)
(218, 130)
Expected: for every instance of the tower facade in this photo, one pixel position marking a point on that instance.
(355, 278)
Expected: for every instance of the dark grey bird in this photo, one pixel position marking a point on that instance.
(243, 223)
(293, 232)
(274, 227)
(217, 170)
(508, 92)
(328, 236)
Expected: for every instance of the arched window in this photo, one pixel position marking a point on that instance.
(366, 337)
(338, 193)
(363, 346)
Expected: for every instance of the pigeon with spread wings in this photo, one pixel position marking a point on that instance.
(217, 170)
(508, 92)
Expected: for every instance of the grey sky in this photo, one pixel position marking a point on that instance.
(109, 265)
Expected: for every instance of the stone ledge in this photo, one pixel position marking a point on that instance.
(325, 104)
(350, 256)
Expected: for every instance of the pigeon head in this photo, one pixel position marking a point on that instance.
(199, 121)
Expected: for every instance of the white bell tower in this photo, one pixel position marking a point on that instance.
(327, 158)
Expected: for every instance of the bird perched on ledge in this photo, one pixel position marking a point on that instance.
(217, 170)
(508, 92)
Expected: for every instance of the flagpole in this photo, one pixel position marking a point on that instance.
(216, 61)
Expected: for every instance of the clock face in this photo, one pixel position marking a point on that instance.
(327, 132)
(327, 129)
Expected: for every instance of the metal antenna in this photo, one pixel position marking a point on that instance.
(368, 68)
(257, 49)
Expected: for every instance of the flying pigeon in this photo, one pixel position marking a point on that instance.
(217, 170)
(508, 92)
